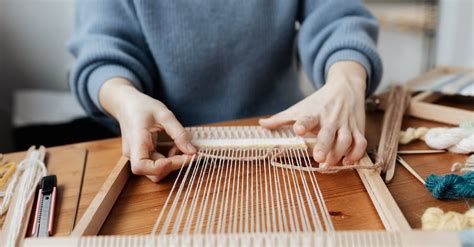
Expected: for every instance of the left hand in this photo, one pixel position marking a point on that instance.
(336, 112)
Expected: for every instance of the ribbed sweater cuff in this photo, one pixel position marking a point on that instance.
(350, 55)
(103, 73)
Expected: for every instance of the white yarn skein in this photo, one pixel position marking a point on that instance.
(33, 170)
(456, 140)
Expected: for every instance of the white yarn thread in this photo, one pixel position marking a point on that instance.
(33, 170)
(456, 140)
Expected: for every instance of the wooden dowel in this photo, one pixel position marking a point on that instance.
(79, 192)
(410, 169)
(429, 151)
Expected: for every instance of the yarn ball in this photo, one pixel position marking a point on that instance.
(456, 140)
(412, 134)
(436, 219)
(451, 186)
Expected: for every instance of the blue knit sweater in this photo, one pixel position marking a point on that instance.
(214, 60)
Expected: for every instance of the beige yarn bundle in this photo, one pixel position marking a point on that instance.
(437, 219)
(456, 140)
(412, 134)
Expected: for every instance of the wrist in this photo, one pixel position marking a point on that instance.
(348, 71)
(114, 93)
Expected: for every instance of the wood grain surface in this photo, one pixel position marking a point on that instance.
(139, 204)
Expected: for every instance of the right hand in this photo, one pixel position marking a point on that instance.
(139, 117)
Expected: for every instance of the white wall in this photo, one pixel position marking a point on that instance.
(32, 54)
(456, 33)
(402, 55)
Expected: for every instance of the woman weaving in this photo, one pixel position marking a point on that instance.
(158, 65)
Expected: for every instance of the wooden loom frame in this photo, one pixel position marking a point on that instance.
(422, 105)
(392, 218)
(97, 212)
(91, 222)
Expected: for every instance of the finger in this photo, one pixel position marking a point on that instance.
(164, 166)
(141, 146)
(305, 124)
(324, 143)
(358, 149)
(341, 147)
(173, 151)
(277, 120)
(175, 130)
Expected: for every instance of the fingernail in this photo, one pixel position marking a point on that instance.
(320, 156)
(323, 165)
(300, 128)
(191, 148)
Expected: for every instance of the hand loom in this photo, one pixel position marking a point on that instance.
(248, 186)
(433, 86)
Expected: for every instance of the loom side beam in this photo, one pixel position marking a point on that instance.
(93, 219)
(383, 201)
(439, 113)
(342, 238)
(423, 105)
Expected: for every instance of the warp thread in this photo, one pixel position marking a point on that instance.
(451, 186)
(436, 219)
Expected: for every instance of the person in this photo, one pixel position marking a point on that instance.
(148, 66)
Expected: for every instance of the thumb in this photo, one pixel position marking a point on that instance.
(176, 131)
(141, 145)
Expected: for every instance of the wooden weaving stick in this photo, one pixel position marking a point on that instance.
(398, 99)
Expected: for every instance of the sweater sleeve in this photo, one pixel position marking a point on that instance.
(336, 30)
(108, 42)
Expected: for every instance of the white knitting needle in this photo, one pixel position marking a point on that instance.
(410, 169)
(429, 151)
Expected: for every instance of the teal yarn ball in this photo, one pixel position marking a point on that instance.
(451, 186)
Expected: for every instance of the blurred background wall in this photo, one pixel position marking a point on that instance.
(32, 54)
(33, 34)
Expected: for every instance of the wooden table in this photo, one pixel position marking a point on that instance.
(138, 206)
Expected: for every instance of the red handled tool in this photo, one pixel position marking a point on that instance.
(44, 216)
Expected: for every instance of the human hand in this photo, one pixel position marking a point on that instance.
(139, 117)
(336, 112)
